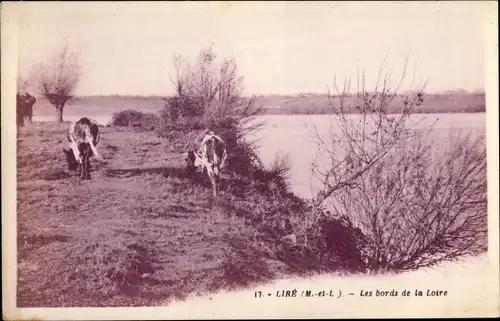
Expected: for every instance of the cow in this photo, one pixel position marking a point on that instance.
(83, 137)
(24, 107)
(30, 101)
(209, 151)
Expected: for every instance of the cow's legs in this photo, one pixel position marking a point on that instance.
(216, 185)
(30, 114)
(83, 168)
(87, 168)
(85, 165)
(213, 181)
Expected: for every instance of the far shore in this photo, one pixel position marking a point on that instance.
(301, 104)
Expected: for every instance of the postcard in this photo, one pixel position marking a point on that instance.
(215, 160)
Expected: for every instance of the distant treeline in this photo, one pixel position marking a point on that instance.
(309, 103)
(455, 102)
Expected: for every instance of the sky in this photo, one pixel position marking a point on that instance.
(280, 47)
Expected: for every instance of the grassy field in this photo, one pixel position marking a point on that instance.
(140, 232)
(453, 102)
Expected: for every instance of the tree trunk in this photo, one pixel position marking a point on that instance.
(60, 113)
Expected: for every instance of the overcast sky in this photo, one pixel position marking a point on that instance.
(279, 47)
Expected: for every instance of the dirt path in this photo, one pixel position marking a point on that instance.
(138, 233)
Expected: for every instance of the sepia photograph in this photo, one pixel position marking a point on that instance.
(210, 160)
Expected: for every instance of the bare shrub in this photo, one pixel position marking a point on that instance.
(212, 90)
(356, 143)
(415, 206)
(418, 207)
(276, 176)
(57, 78)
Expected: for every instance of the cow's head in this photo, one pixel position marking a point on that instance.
(70, 159)
(190, 161)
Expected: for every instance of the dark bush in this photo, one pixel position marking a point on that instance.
(135, 118)
(181, 107)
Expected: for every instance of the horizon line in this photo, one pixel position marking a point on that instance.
(447, 91)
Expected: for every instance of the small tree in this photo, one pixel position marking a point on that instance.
(58, 77)
(415, 205)
(213, 91)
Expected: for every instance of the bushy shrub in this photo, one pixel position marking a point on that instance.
(333, 243)
(304, 237)
(209, 94)
(419, 207)
(182, 124)
(135, 118)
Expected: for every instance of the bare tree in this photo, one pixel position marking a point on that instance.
(416, 205)
(57, 78)
(215, 91)
(355, 143)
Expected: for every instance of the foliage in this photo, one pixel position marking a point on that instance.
(135, 118)
(211, 92)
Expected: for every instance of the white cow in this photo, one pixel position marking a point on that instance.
(83, 137)
(210, 153)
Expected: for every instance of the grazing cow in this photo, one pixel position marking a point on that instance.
(30, 101)
(83, 137)
(24, 107)
(210, 153)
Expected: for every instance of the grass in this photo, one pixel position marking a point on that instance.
(140, 232)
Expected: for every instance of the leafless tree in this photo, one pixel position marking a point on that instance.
(417, 205)
(215, 91)
(357, 142)
(57, 78)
